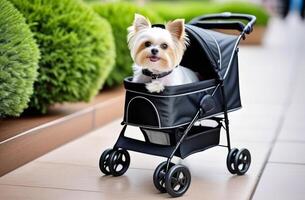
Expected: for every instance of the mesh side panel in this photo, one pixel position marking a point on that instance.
(158, 137)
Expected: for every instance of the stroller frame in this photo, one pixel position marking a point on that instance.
(166, 171)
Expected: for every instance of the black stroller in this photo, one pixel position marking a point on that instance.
(167, 120)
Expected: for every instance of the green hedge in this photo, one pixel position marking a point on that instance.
(120, 16)
(189, 10)
(77, 50)
(19, 57)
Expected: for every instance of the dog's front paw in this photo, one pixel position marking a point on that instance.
(155, 86)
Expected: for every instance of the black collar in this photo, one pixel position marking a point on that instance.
(146, 72)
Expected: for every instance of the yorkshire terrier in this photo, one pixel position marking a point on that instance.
(157, 52)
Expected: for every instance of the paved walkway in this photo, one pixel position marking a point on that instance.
(270, 125)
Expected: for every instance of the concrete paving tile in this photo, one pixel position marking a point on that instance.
(293, 122)
(51, 175)
(219, 154)
(292, 134)
(87, 150)
(75, 167)
(288, 152)
(256, 135)
(296, 110)
(207, 181)
(65, 176)
(10, 192)
(263, 109)
(81, 152)
(232, 188)
(281, 182)
(260, 81)
(295, 116)
(253, 122)
(293, 126)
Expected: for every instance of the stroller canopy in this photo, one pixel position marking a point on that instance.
(209, 52)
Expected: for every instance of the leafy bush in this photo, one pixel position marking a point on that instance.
(189, 10)
(77, 50)
(120, 16)
(186, 10)
(19, 57)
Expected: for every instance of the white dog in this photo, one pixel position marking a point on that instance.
(157, 52)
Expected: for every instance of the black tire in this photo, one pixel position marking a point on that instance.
(231, 160)
(242, 161)
(177, 180)
(104, 162)
(159, 176)
(119, 161)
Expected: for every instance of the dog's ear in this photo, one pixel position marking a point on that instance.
(176, 28)
(140, 22)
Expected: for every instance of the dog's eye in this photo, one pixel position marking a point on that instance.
(147, 44)
(164, 46)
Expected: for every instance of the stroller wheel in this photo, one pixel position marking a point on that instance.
(119, 161)
(159, 176)
(231, 159)
(104, 162)
(242, 161)
(177, 180)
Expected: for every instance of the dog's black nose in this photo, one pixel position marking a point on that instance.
(154, 51)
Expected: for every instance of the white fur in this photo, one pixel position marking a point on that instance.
(179, 76)
(155, 34)
(143, 39)
(155, 86)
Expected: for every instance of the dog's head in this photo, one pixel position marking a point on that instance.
(154, 48)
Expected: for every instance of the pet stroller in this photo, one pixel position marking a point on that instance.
(167, 119)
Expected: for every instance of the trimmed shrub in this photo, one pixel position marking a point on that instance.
(120, 16)
(186, 10)
(189, 10)
(19, 57)
(77, 50)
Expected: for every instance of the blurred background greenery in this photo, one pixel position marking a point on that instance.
(83, 45)
(120, 14)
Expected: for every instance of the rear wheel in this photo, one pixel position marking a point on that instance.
(119, 161)
(242, 161)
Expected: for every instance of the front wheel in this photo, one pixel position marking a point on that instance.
(104, 161)
(177, 180)
(230, 160)
(159, 176)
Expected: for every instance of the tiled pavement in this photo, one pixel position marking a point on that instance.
(270, 125)
(283, 176)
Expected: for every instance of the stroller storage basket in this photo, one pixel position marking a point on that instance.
(199, 138)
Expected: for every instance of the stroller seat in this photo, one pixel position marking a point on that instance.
(209, 55)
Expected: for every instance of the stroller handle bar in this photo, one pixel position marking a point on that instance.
(202, 21)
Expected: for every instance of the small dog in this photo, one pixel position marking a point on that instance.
(157, 52)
